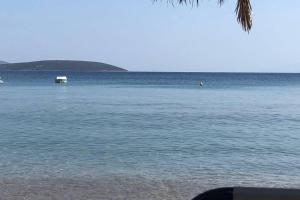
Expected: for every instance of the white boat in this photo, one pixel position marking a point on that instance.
(61, 79)
(1, 82)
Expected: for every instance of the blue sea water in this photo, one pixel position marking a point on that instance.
(237, 129)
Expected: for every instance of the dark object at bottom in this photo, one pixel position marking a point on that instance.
(243, 193)
(217, 194)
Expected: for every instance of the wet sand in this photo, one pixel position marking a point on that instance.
(106, 188)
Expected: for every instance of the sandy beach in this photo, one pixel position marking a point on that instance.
(114, 188)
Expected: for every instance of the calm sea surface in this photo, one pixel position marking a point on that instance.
(239, 129)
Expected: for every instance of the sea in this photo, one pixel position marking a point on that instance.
(144, 135)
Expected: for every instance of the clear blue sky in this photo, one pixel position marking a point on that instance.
(144, 36)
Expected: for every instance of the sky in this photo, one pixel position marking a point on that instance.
(140, 35)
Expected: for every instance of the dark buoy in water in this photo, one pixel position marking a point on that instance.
(201, 83)
(244, 193)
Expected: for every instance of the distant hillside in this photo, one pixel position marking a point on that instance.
(61, 65)
(3, 62)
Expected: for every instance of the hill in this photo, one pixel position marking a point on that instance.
(3, 62)
(61, 65)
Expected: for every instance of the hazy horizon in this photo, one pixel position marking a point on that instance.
(153, 71)
(147, 36)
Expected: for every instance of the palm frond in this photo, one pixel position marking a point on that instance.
(243, 10)
(221, 2)
(244, 14)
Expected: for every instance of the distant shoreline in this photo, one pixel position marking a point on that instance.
(61, 66)
(155, 72)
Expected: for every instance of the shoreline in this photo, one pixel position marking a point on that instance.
(113, 187)
(117, 188)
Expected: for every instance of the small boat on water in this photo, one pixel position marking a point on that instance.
(61, 79)
(1, 81)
